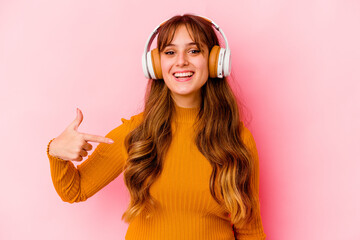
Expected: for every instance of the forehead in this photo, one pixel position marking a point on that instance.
(184, 32)
(181, 35)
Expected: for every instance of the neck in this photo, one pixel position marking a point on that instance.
(191, 101)
(187, 114)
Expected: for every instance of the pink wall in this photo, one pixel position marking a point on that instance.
(297, 67)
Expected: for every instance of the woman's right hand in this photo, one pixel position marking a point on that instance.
(72, 145)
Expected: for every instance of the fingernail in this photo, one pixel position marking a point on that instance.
(110, 141)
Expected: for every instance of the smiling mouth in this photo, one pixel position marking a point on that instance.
(183, 75)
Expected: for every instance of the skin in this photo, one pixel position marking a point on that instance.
(72, 145)
(182, 54)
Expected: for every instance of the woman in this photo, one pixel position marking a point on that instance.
(189, 163)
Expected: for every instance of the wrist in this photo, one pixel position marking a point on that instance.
(50, 153)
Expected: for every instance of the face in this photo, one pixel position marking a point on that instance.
(185, 68)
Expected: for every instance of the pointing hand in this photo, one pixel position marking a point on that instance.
(72, 145)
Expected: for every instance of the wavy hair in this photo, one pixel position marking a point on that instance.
(217, 137)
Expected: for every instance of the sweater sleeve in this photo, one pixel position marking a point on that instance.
(75, 184)
(253, 231)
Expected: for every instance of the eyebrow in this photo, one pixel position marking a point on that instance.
(188, 44)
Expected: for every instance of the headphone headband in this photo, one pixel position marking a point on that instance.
(156, 30)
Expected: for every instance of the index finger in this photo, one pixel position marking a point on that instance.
(95, 138)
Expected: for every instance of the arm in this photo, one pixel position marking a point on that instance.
(253, 231)
(99, 169)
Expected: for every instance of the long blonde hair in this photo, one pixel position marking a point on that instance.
(218, 138)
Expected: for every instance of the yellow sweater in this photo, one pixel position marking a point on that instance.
(187, 209)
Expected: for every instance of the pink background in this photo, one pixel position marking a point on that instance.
(296, 66)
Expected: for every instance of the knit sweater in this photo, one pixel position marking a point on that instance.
(187, 210)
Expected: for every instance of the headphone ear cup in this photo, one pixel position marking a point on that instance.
(213, 61)
(227, 63)
(155, 58)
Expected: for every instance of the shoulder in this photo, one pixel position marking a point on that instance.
(245, 133)
(247, 137)
(126, 126)
(135, 119)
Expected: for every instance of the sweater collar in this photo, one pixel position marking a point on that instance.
(182, 114)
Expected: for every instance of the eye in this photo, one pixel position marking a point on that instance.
(169, 52)
(194, 51)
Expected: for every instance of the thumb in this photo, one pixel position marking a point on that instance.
(79, 117)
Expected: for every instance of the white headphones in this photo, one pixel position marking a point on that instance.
(219, 58)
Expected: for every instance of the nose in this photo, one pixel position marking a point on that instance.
(181, 59)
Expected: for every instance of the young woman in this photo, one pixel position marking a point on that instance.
(189, 163)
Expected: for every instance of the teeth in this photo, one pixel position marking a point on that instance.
(184, 74)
